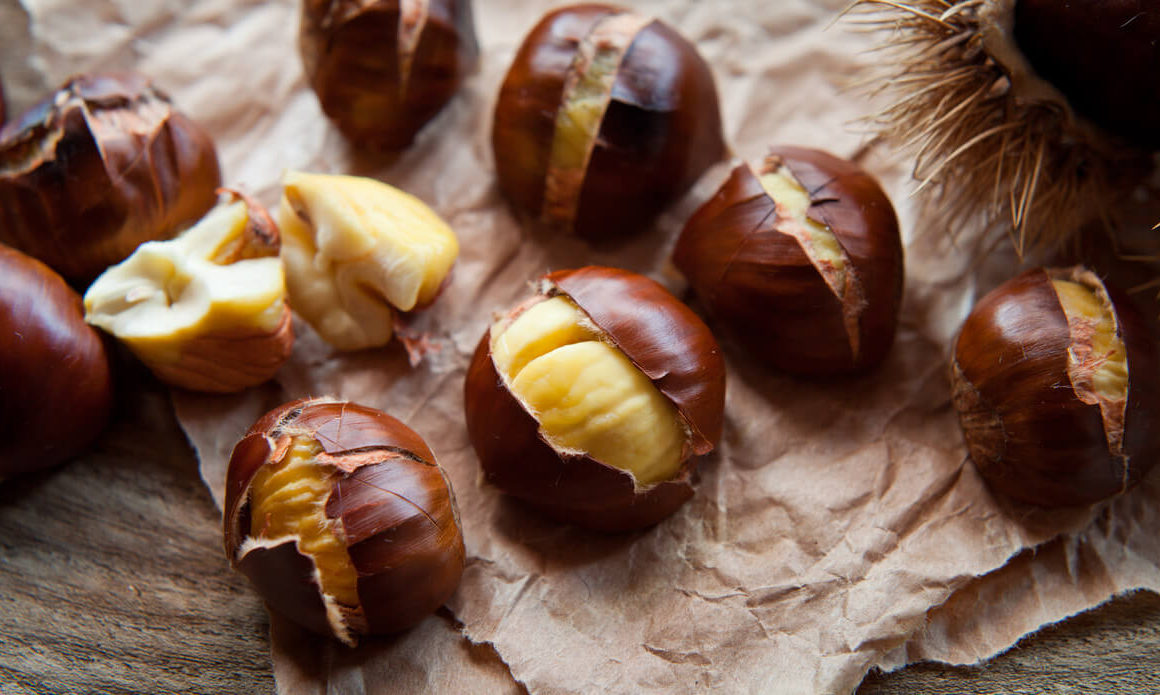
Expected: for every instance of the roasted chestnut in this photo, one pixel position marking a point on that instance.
(803, 261)
(589, 399)
(603, 119)
(55, 388)
(383, 68)
(342, 519)
(357, 252)
(99, 167)
(1056, 383)
(206, 311)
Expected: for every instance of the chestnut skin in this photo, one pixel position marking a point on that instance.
(355, 62)
(661, 129)
(1103, 55)
(759, 282)
(1031, 438)
(56, 391)
(395, 505)
(661, 337)
(98, 168)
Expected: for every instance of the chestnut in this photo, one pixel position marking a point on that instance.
(342, 519)
(205, 311)
(357, 252)
(383, 68)
(1056, 386)
(803, 261)
(99, 167)
(55, 386)
(604, 118)
(589, 399)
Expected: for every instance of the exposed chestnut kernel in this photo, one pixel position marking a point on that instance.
(801, 260)
(342, 519)
(55, 387)
(206, 311)
(357, 252)
(1056, 384)
(605, 117)
(383, 69)
(98, 168)
(590, 399)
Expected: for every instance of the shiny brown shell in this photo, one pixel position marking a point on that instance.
(667, 342)
(374, 88)
(661, 130)
(395, 505)
(759, 282)
(98, 168)
(55, 385)
(1031, 438)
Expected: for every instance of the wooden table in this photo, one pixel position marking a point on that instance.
(113, 580)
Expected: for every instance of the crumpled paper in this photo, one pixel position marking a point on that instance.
(837, 528)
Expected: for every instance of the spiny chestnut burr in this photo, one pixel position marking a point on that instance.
(383, 68)
(342, 519)
(206, 311)
(357, 252)
(603, 119)
(98, 168)
(802, 260)
(1056, 385)
(55, 387)
(589, 399)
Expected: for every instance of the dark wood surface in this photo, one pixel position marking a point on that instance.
(112, 580)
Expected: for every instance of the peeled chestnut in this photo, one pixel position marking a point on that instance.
(589, 399)
(603, 119)
(1056, 385)
(55, 387)
(802, 260)
(207, 310)
(342, 519)
(383, 68)
(99, 167)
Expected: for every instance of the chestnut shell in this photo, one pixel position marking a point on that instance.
(55, 385)
(98, 168)
(1028, 434)
(391, 492)
(1103, 55)
(661, 130)
(350, 52)
(761, 284)
(667, 342)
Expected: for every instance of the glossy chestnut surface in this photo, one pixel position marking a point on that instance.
(658, 127)
(390, 505)
(98, 168)
(666, 341)
(748, 262)
(1103, 55)
(383, 68)
(1033, 430)
(55, 386)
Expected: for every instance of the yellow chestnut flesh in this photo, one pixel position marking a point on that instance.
(356, 251)
(587, 395)
(816, 239)
(288, 499)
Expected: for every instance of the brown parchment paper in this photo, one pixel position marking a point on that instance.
(837, 528)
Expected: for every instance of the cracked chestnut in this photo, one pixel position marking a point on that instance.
(604, 118)
(101, 166)
(801, 260)
(342, 519)
(1056, 384)
(55, 386)
(590, 399)
(383, 68)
